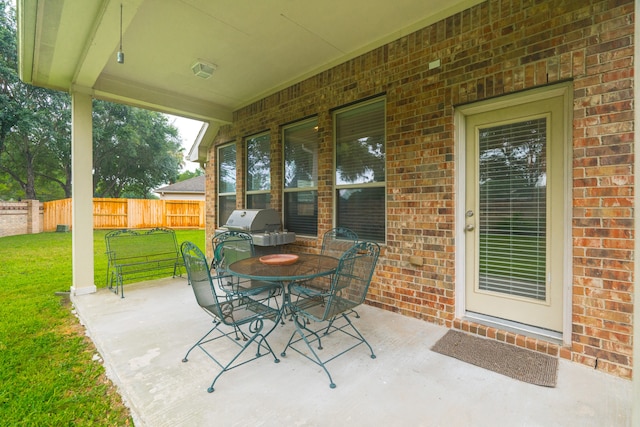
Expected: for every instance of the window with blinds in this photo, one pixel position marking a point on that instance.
(226, 182)
(301, 177)
(513, 208)
(258, 182)
(360, 169)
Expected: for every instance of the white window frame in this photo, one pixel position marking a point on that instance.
(312, 188)
(378, 184)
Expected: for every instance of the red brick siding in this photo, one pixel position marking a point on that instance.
(495, 48)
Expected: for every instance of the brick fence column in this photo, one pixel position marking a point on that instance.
(33, 216)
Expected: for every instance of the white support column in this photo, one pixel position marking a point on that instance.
(82, 193)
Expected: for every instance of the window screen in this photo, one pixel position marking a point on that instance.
(226, 182)
(258, 149)
(301, 177)
(360, 170)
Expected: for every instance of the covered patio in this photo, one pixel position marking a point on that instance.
(427, 70)
(144, 336)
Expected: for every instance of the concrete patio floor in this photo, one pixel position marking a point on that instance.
(143, 338)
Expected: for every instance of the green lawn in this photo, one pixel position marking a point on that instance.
(48, 376)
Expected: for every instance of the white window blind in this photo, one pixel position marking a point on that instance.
(226, 182)
(258, 186)
(360, 169)
(301, 177)
(227, 169)
(512, 208)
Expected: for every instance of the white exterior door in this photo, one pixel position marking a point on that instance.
(514, 222)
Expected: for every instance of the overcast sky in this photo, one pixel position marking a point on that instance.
(188, 130)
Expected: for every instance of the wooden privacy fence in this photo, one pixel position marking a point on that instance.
(130, 213)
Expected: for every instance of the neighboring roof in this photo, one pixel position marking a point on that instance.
(192, 185)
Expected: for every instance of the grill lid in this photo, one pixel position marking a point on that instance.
(254, 220)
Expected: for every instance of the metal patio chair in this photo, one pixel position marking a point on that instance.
(332, 307)
(227, 235)
(337, 241)
(234, 246)
(239, 314)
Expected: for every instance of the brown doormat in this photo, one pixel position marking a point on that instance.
(515, 362)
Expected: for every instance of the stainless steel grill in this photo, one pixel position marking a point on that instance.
(264, 226)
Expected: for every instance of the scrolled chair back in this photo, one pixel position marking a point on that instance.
(198, 274)
(352, 279)
(337, 241)
(231, 246)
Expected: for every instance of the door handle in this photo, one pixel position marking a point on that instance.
(469, 227)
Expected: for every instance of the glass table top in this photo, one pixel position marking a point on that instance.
(306, 267)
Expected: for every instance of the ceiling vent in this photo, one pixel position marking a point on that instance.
(203, 69)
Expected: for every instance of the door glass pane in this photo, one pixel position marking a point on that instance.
(512, 208)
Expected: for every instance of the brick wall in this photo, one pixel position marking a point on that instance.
(495, 48)
(24, 217)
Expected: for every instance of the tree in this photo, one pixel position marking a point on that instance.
(60, 146)
(513, 160)
(8, 64)
(361, 160)
(183, 176)
(36, 152)
(135, 150)
(33, 121)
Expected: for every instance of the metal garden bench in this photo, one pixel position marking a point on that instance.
(138, 254)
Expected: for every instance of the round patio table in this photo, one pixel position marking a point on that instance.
(307, 266)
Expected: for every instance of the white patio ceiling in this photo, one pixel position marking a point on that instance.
(259, 46)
